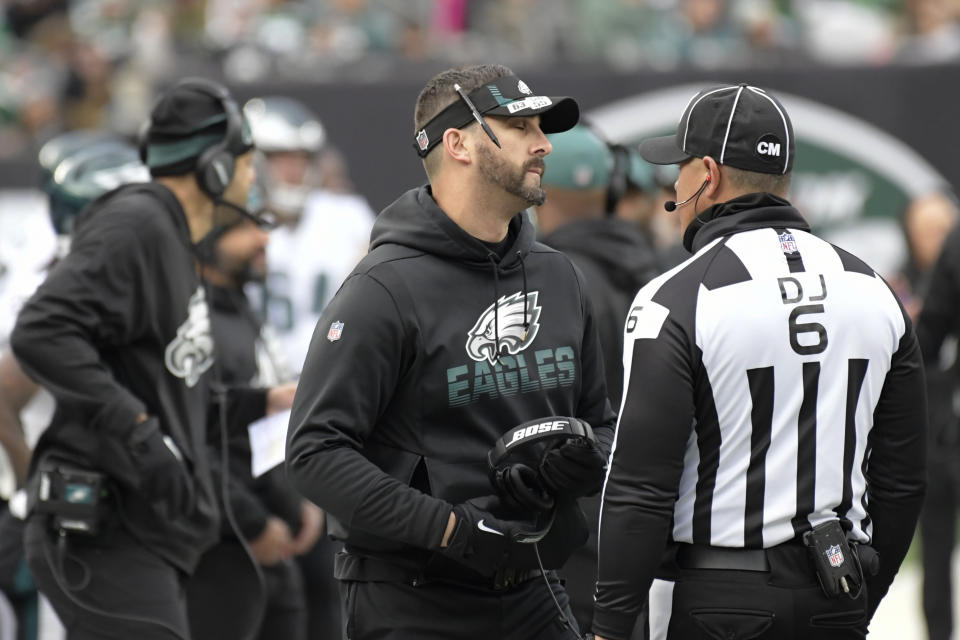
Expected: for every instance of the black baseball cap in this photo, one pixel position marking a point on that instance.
(506, 96)
(737, 125)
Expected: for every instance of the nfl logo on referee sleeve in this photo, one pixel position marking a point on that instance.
(834, 555)
(788, 243)
(336, 329)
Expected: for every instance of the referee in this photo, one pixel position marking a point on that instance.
(769, 458)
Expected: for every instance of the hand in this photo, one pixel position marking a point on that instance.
(280, 398)
(574, 469)
(274, 544)
(479, 539)
(311, 524)
(164, 478)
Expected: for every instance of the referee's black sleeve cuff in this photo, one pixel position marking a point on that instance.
(612, 625)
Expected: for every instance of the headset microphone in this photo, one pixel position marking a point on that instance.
(263, 220)
(671, 205)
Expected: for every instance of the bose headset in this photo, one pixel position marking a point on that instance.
(514, 463)
(215, 166)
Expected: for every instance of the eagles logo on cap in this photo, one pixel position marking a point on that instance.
(523, 88)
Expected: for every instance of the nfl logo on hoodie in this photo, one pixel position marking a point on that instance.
(336, 328)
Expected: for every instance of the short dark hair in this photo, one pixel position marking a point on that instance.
(439, 93)
(753, 181)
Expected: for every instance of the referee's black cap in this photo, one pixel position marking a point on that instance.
(737, 125)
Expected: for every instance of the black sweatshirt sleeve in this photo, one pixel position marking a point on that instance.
(345, 386)
(896, 471)
(644, 476)
(90, 301)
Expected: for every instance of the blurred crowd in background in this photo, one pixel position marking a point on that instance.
(69, 64)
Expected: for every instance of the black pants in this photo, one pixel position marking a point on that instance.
(580, 573)
(321, 591)
(225, 600)
(441, 610)
(784, 603)
(107, 587)
(938, 527)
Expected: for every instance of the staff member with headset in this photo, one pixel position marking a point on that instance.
(456, 328)
(583, 182)
(772, 437)
(122, 503)
(224, 596)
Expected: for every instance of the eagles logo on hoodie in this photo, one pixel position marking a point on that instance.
(191, 352)
(514, 328)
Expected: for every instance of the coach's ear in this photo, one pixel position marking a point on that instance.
(454, 145)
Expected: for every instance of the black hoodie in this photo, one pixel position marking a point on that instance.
(402, 395)
(616, 261)
(120, 327)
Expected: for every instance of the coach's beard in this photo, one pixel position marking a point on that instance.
(499, 172)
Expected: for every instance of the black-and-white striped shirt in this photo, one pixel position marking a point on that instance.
(773, 382)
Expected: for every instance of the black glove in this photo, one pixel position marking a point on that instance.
(163, 476)
(481, 540)
(575, 468)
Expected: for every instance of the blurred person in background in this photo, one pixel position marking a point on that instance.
(227, 597)
(932, 32)
(321, 233)
(709, 36)
(584, 183)
(645, 190)
(119, 333)
(930, 287)
(637, 198)
(76, 168)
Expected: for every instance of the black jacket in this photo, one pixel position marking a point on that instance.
(940, 315)
(120, 327)
(401, 396)
(616, 260)
(240, 354)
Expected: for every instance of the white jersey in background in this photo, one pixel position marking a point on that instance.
(28, 246)
(307, 264)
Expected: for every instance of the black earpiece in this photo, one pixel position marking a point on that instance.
(619, 174)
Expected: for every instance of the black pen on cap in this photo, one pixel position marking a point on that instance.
(477, 116)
